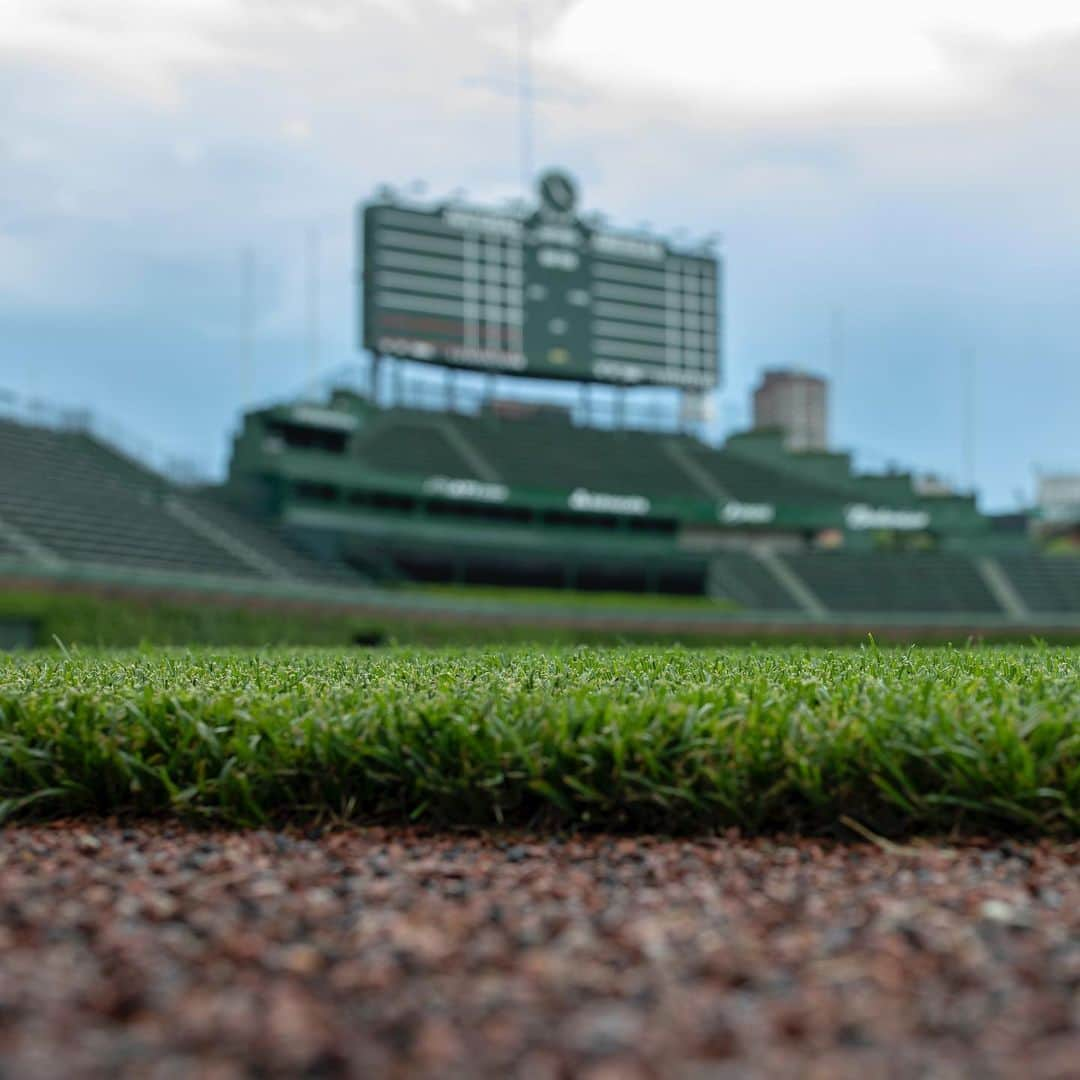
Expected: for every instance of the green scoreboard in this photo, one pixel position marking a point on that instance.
(543, 294)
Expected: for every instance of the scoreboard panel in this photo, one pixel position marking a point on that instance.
(545, 295)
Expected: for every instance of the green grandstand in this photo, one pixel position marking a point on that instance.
(528, 497)
(349, 506)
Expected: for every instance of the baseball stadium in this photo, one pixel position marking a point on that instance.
(485, 732)
(495, 510)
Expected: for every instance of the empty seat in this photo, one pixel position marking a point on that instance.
(1046, 584)
(913, 583)
(86, 503)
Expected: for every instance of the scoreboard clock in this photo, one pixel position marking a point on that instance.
(543, 294)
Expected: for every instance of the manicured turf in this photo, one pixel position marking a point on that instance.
(668, 739)
(570, 599)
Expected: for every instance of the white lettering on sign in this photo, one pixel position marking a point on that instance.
(627, 247)
(418, 350)
(741, 513)
(462, 488)
(474, 356)
(324, 418)
(860, 516)
(470, 221)
(617, 371)
(604, 503)
(556, 259)
(557, 234)
(613, 369)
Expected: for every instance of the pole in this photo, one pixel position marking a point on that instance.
(969, 419)
(399, 382)
(836, 360)
(247, 272)
(313, 342)
(525, 95)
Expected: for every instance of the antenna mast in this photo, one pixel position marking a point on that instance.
(313, 306)
(247, 276)
(525, 95)
(969, 417)
(836, 358)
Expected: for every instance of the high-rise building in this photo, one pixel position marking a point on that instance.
(794, 403)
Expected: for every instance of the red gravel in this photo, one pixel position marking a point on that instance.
(157, 951)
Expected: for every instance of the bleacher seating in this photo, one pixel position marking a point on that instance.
(751, 482)
(401, 442)
(554, 454)
(68, 498)
(66, 501)
(548, 453)
(741, 577)
(1046, 584)
(84, 503)
(896, 582)
(267, 541)
(551, 453)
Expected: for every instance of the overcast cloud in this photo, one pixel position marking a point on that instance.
(913, 167)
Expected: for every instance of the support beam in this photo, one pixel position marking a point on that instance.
(477, 462)
(188, 516)
(28, 546)
(1002, 589)
(697, 472)
(795, 586)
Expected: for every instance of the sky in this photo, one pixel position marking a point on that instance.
(895, 185)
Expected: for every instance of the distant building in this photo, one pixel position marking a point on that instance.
(931, 484)
(794, 403)
(1059, 498)
(1059, 511)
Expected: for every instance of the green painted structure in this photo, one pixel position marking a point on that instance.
(541, 291)
(534, 499)
(329, 525)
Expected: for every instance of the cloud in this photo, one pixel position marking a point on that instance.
(917, 173)
(135, 47)
(786, 54)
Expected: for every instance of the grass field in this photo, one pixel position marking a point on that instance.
(789, 739)
(110, 619)
(570, 599)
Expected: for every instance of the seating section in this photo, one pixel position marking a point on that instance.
(84, 502)
(88, 504)
(413, 444)
(1046, 584)
(267, 542)
(748, 481)
(743, 578)
(542, 454)
(895, 582)
(551, 453)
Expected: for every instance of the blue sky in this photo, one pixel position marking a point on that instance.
(913, 167)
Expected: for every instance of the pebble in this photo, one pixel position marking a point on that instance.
(160, 951)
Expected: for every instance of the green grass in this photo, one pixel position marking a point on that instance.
(107, 620)
(900, 740)
(565, 598)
